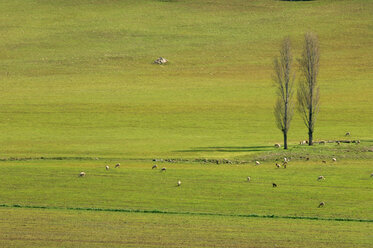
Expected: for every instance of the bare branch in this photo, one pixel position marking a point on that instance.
(308, 94)
(284, 81)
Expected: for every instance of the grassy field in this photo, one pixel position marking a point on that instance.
(77, 83)
(77, 79)
(205, 188)
(48, 205)
(58, 228)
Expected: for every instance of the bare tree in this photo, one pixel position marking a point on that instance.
(308, 91)
(284, 81)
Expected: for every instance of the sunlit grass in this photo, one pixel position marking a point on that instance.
(78, 80)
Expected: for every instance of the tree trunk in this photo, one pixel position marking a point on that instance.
(310, 134)
(285, 140)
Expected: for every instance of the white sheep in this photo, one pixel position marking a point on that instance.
(249, 179)
(82, 174)
(278, 166)
(257, 162)
(334, 159)
(277, 145)
(117, 165)
(178, 183)
(321, 204)
(371, 175)
(107, 167)
(160, 61)
(286, 160)
(321, 178)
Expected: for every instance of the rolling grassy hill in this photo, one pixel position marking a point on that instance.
(79, 91)
(78, 80)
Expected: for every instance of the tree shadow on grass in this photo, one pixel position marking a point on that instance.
(228, 149)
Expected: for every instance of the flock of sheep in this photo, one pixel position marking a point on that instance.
(305, 142)
(284, 165)
(107, 167)
(274, 185)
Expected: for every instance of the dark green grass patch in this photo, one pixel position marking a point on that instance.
(184, 213)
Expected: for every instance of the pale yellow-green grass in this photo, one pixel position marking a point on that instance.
(61, 228)
(77, 83)
(77, 79)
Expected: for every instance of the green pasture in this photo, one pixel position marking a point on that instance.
(46, 204)
(77, 78)
(206, 188)
(60, 228)
(78, 91)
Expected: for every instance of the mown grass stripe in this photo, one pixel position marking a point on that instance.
(184, 213)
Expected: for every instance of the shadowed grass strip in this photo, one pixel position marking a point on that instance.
(185, 213)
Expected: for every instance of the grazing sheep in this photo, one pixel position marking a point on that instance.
(334, 159)
(307, 158)
(257, 162)
(284, 165)
(160, 61)
(249, 179)
(286, 160)
(357, 142)
(320, 178)
(117, 165)
(277, 145)
(274, 185)
(278, 166)
(324, 161)
(178, 183)
(348, 134)
(107, 167)
(82, 174)
(154, 166)
(163, 169)
(371, 175)
(321, 204)
(338, 143)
